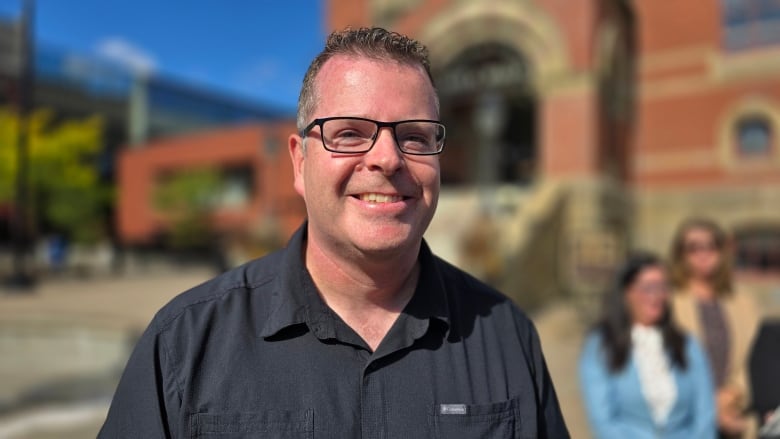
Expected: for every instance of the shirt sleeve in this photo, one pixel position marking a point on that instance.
(704, 417)
(146, 402)
(595, 384)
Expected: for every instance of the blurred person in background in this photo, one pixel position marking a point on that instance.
(355, 329)
(723, 319)
(765, 378)
(640, 375)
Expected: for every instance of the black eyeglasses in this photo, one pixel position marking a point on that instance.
(356, 135)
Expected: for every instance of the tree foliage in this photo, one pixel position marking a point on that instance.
(66, 193)
(186, 199)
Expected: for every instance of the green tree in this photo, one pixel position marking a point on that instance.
(66, 192)
(186, 199)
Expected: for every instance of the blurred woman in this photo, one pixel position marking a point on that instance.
(721, 318)
(642, 377)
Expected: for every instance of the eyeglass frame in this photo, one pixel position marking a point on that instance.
(692, 247)
(379, 125)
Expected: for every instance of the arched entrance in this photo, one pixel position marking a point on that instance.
(488, 106)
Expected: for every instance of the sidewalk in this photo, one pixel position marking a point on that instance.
(63, 345)
(121, 302)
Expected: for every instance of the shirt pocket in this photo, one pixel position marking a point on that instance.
(268, 424)
(495, 420)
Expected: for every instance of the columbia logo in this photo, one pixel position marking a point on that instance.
(453, 409)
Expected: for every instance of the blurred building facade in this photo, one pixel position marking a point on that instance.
(708, 123)
(255, 208)
(138, 108)
(578, 130)
(136, 105)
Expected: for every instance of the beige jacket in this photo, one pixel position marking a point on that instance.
(742, 318)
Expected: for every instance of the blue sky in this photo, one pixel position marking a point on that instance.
(254, 49)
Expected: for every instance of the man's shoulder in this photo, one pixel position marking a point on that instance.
(234, 283)
(474, 294)
(465, 283)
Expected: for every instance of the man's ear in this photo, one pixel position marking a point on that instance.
(297, 153)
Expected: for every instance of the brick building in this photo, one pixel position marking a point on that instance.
(576, 130)
(707, 129)
(254, 183)
(579, 129)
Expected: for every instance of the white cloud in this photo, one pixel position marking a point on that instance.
(268, 80)
(126, 53)
(263, 72)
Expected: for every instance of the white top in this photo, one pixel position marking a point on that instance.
(655, 373)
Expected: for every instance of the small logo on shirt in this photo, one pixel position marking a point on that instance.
(453, 409)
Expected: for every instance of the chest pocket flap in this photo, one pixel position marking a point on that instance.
(272, 424)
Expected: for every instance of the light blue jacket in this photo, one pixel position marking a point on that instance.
(617, 409)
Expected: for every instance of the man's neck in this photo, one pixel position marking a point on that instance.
(368, 293)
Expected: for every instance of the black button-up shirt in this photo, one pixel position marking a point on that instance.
(256, 352)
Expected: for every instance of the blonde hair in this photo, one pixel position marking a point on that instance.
(680, 272)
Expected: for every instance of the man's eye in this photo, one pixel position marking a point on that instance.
(349, 134)
(418, 138)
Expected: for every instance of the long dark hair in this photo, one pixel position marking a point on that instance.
(615, 323)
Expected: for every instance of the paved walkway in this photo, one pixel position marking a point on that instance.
(64, 340)
(63, 344)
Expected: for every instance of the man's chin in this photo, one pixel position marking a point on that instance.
(386, 244)
(383, 248)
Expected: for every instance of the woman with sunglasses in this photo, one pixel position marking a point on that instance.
(641, 376)
(721, 318)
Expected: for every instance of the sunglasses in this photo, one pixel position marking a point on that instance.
(699, 247)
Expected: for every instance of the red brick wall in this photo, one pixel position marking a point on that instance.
(685, 98)
(576, 22)
(664, 25)
(694, 122)
(140, 168)
(342, 13)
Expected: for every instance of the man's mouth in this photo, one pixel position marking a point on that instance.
(379, 198)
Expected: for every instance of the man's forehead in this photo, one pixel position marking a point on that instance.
(354, 67)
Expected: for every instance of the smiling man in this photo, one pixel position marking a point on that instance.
(355, 330)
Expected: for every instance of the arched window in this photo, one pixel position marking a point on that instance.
(754, 136)
(488, 105)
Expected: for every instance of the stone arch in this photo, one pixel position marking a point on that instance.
(512, 40)
(523, 27)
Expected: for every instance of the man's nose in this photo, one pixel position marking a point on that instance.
(384, 156)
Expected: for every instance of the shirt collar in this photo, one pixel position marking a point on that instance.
(294, 289)
(430, 295)
(296, 300)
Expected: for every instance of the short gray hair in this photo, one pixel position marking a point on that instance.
(374, 42)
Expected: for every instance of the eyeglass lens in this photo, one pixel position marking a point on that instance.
(356, 135)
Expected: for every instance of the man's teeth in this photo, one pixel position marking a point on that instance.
(380, 198)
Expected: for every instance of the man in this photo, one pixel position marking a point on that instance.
(355, 329)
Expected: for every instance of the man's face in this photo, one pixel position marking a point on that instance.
(380, 201)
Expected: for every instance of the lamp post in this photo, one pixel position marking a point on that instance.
(490, 118)
(22, 277)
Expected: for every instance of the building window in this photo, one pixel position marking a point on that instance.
(750, 23)
(236, 188)
(753, 136)
(758, 250)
